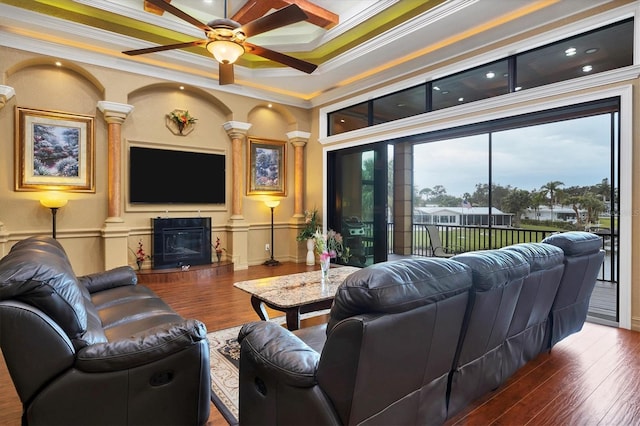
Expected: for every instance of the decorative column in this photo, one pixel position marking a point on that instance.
(6, 93)
(237, 132)
(238, 240)
(298, 139)
(113, 233)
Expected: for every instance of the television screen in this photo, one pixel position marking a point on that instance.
(183, 177)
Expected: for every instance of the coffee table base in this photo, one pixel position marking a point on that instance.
(292, 314)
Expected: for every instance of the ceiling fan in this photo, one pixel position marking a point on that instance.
(226, 39)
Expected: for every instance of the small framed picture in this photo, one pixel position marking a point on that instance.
(266, 168)
(54, 150)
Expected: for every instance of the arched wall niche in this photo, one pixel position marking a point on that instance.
(148, 120)
(43, 77)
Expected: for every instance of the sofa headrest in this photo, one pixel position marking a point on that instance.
(575, 243)
(397, 286)
(38, 273)
(494, 268)
(540, 256)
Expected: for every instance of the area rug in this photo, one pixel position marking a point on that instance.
(224, 354)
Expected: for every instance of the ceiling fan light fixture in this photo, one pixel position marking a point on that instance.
(225, 52)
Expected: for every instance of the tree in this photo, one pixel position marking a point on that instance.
(537, 199)
(552, 188)
(516, 202)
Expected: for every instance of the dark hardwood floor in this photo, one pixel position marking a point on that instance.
(592, 377)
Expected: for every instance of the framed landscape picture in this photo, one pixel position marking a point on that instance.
(54, 150)
(266, 168)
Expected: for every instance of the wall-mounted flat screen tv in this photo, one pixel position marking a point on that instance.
(175, 177)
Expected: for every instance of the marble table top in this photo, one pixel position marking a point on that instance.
(293, 290)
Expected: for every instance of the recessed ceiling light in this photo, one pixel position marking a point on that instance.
(490, 74)
(181, 87)
(444, 92)
(460, 99)
(570, 51)
(591, 50)
(342, 120)
(436, 88)
(587, 68)
(401, 105)
(58, 64)
(518, 88)
(270, 105)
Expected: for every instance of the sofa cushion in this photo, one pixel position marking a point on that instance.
(540, 256)
(398, 286)
(494, 268)
(40, 275)
(575, 243)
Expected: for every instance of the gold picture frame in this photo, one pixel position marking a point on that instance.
(266, 167)
(54, 151)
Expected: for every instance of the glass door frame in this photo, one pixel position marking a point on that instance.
(380, 184)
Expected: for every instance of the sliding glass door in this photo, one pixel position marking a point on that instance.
(357, 201)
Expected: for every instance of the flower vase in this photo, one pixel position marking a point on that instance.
(139, 263)
(219, 256)
(181, 126)
(325, 264)
(311, 257)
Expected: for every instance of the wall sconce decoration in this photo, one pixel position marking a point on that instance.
(272, 204)
(180, 122)
(53, 201)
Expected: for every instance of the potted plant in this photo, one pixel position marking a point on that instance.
(307, 233)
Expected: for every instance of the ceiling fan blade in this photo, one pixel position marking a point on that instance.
(290, 61)
(225, 74)
(281, 17)
(166, 47)
(180, 14)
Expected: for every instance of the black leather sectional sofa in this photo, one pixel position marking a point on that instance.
(414, 341)
(97, 349)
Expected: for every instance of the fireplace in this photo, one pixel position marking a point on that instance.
(179, 242)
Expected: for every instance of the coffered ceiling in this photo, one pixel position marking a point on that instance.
(355, 43)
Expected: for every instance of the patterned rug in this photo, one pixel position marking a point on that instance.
(224, 354)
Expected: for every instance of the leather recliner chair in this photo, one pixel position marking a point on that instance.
(583, 257)
(498, 276)
(390, 343)
(98, 349)
(526, 336)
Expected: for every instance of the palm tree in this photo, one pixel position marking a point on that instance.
(552, 188)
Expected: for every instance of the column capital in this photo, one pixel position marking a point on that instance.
(6, 93)
(236, 129)
(114, 112)
(298, 138)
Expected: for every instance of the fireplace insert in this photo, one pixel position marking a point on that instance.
(181, 242)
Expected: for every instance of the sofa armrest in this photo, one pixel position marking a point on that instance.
(116, 277)
(279, 353)
(142, 348)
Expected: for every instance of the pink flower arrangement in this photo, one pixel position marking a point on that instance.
(140, 254)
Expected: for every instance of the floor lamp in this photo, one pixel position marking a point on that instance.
(53, 202)
(272, 204)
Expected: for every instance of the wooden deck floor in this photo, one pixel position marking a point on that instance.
(590, 378)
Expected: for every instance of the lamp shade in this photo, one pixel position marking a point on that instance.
(272, 203)
(225, 52)
(53, 201)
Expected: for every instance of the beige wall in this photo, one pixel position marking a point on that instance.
(77, 88)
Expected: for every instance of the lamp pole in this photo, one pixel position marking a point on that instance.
(53, 201)
(272, 204)
(54, 211)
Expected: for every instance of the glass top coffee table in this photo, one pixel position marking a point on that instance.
(295, 294)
